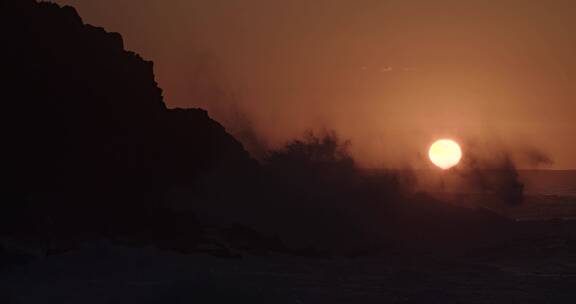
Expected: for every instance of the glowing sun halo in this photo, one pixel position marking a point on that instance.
(445, 153)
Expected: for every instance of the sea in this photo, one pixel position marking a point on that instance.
(546, 194)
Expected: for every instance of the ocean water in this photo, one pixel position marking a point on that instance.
(547, 194)
(549, 182)
(536, 182)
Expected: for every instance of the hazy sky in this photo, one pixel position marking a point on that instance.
(389, 75)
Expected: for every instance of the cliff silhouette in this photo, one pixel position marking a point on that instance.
(89, 146)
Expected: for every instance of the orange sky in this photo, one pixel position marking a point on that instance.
(389, 75)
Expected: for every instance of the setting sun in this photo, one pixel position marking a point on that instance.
(445, 153)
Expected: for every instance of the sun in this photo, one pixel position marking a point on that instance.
(445, 153)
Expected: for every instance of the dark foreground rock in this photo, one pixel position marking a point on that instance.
(89, 147)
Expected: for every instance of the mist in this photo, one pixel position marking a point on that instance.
(390, 76)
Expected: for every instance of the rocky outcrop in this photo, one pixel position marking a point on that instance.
(86, 135)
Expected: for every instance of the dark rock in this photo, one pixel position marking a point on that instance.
(88, 142)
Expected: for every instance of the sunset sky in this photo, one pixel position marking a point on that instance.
(392, 76)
